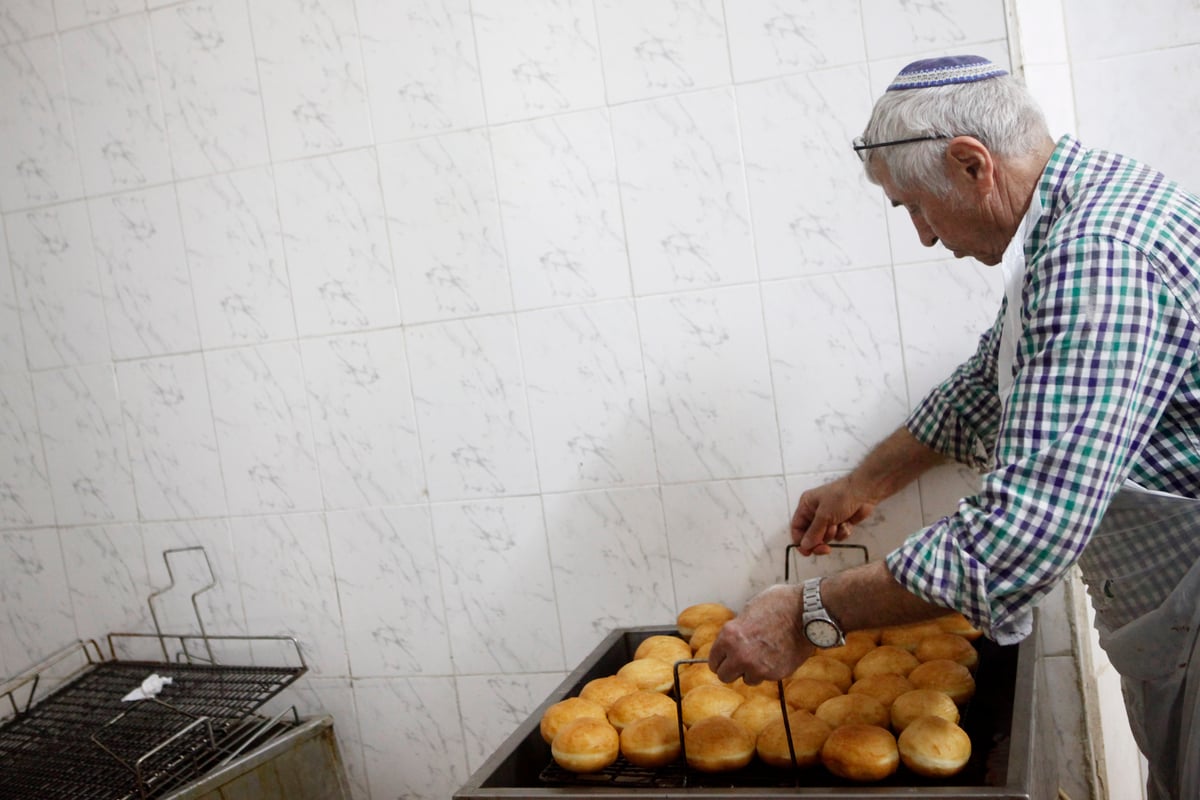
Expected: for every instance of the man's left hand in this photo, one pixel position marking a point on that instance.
(764, 642)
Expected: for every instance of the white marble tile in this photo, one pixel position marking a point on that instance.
(839, 332)
(814, 210)
(538, 57)
(495, 706)
(711, 402)
(25, 19)
(1053, 87)
(498, 587)
(944, 307)
(390, 553)
(74, 13)
(412, 737)
(653, 49)
(143, 273)
(683, 191)
(1043, 31)
(108, 579)
(261, 415)
(1118, 111)
(39, 163)
(421, 68)
(115, 106)
(288, 587)
(444, 221)
(335, 236)
(310, 69)
(768, 38)
(727, 539)
(25, 497)
(892, 521)
(561, 211)
(363, 419)
(1108, 28)
(172, 444)
(58, 288)
(587, 396)
(37, 602)
(471, 409)
(190, 571)
(84, 438)
(612, 565)
(235, 252)
(210, 88)
(894, 28)
(12, 341)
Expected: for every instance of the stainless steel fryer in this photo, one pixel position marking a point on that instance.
(1012, 757)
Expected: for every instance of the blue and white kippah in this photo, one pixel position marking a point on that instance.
(945, 71)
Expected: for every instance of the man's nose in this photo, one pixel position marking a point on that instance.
(925, 233)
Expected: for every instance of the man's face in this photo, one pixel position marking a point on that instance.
(960, 221)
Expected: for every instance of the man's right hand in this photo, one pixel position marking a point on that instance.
(825, 514)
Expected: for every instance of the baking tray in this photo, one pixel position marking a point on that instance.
(1008, 761)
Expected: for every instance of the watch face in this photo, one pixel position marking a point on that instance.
(821, 633)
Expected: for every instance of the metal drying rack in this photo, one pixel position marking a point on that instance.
(82, 741)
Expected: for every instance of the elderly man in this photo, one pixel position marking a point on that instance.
(1081, 405)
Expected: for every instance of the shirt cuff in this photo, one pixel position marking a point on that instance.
(936, 424)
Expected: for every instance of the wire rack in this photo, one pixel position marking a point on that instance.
(82, 741)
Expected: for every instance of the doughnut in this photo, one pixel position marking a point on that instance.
(945, 676)
(885, 687)
(825, 668)
(651, 674)
(586, 745)
(607, 690)
(705, 633)
(849, 653)
(665, 648)
(765, 689)
(853, 709)
(695, 615)
(709, 701)
(633, 707)
(860, 753)
(651, 741)
(957, 623)
(808, 734)
(718, 744)
(885, 658)
(694, 675)
(908, 636)
(702, 650)
(934, 747)
(756, 712)
(922, 703)
(949, 646)
(558, 715)
(806, 694)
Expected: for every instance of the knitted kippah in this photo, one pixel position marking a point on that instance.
(945, 71)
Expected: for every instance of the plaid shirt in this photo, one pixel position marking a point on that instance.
(1107, 387)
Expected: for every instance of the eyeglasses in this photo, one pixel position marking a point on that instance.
(861, 146)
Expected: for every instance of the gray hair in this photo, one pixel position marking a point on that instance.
(999, 112)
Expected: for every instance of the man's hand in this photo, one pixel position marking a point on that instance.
(825, 514)
(764, 642)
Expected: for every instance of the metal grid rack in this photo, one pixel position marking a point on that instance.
(82, 741)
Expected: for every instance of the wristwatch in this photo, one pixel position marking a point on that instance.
(819, 628)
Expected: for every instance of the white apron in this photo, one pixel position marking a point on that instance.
(1142, 570)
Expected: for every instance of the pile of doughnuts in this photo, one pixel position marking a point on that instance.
(888, 696)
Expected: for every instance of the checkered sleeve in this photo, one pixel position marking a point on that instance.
(1101, 354)
(960, 417)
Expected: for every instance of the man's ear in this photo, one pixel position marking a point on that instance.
(970, 163)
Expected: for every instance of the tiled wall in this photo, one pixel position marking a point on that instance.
(457, 332)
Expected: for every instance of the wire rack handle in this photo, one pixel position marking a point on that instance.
(787, 555)
(212, 582)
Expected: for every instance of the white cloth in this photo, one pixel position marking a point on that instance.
(1013, 266)
(151, 686)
